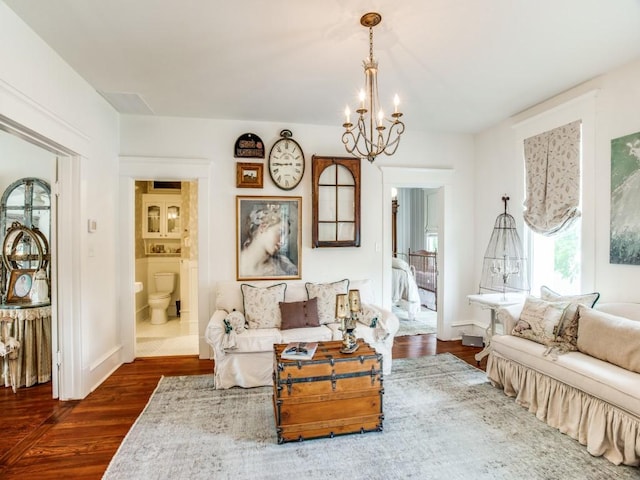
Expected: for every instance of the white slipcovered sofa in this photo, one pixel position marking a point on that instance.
(242, 342)
(589, 391)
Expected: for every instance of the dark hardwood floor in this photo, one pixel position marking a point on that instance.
(48, 439)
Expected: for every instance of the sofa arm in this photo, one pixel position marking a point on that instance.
(508, 317)
(216, 331)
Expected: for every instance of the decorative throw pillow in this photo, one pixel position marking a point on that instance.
(234, 321)
(326, 295)
(610, 338)
(299, 314)
(568, 330)
(369, 315)
(261, 305)
(539, 320)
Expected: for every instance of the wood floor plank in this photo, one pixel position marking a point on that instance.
(47, 439)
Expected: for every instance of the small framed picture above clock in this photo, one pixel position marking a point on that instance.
(249, 175)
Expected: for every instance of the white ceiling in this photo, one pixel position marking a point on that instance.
(457, 65)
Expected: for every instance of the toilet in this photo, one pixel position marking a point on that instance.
(159, 301)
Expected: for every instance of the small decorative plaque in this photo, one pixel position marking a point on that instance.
(249, 145)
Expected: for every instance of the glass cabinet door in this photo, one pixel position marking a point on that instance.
(173, 220)
(152, 216)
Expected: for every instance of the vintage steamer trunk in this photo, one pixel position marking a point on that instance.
(332, 394)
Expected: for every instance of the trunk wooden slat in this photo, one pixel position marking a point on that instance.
(332, 394)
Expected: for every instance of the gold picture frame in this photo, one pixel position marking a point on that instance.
(20, 285)
(268, 238)
(249, 175)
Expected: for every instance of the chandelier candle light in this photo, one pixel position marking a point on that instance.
(367, 138)
(347, 311)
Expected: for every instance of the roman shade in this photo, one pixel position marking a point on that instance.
(552, 161)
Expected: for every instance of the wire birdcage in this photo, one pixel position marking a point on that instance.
(505, 266)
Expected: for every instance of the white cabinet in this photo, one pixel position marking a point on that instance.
(161, 216)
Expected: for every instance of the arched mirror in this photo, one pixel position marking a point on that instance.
(25, 222)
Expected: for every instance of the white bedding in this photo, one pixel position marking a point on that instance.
(405, 292)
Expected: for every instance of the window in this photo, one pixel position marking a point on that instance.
(336, 202)
(556, 261)
(555, 252)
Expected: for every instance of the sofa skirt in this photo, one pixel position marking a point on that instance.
(604, 429)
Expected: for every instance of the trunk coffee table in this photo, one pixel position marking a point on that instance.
(332, 394)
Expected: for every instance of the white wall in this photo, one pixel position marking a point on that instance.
(42, 93)
(499, 169)
(20, 159)
(213, 141)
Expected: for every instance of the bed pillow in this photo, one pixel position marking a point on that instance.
(261, 305)
(299, 314)
(326, 295)
(399, 264)
(568, 329)
(539, 320)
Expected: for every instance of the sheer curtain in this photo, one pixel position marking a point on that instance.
(552, 161)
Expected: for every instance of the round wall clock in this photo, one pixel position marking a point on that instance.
(286, 162)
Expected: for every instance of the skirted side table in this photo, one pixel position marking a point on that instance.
(30, 363)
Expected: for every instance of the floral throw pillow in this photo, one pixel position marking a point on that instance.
(326, 294)
(568, 330)
(539, 320)
(262, 305)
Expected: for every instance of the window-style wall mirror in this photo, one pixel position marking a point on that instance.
(336, 201)
(25, 223)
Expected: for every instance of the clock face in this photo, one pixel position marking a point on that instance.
(286, 163)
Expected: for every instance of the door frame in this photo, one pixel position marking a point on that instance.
(65, 257)
(134, 168)
(417, 177)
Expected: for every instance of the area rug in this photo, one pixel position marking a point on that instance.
(424, 322)
(442, 421)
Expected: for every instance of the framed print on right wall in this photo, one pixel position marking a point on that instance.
(625, 198)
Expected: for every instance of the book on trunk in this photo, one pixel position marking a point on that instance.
(299, 350)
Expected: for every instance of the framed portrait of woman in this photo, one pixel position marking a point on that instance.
(268, 238)
(20, 283)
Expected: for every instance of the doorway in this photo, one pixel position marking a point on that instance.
(165, 261)
(196, 172)
(29, 169)
(415, 226)
(436, 180)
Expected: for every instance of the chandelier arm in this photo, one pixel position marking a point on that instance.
(399, 129)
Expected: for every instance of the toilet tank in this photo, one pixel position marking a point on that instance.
(165, 281)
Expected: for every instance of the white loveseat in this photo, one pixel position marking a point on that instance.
(243, 355)
(591, 394)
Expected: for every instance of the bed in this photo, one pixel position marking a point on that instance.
(425, 266)
(405, 293)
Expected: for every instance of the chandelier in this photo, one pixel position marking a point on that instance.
(373, 134)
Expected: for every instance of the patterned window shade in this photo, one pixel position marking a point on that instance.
(552, 161)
